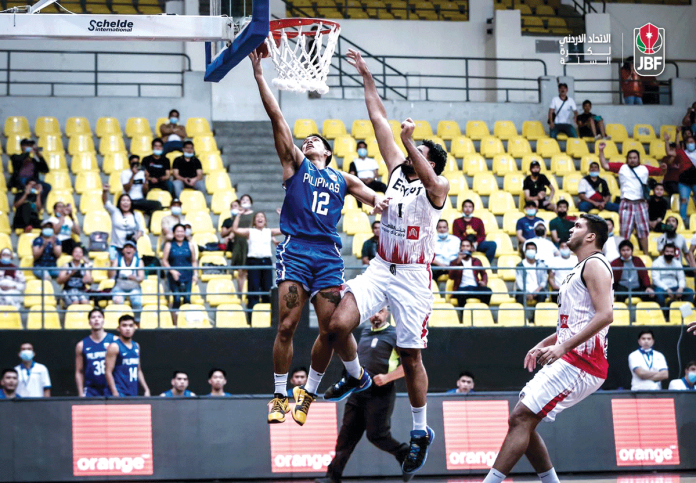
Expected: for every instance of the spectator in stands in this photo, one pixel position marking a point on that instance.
(670, 235)
(26, 167)
(446, 248)
(217, 378)
(561, 225)
(657, 208)
(531, 277)
(561, 267)
(170, 221)
(526, 224)
(686, 383)
(685, 158)
(27, 205)
(648, 366)
(633, 181)
(589, 124)
(188, 171)
(670, 283)
(238, 245)
(259, 254)
(594, 193)
(465, 384)
(65, 225)
(128, 273)
(46, 250)
(173, 133)
(366, 169)
(12, 281)
(468, 282)
(562, 113)
(370, 246)
(630, 275)
(611, 247)
(180, 384)
(546, 251)
(631, 84)
(298, 377)
(125, 226)
(34, 380)
(181, 258)
(8, 384)
(75, 279)
(472, 228)
(674, 168)
(535, 185)
(135, 184)
(158, 169)
(689, 120)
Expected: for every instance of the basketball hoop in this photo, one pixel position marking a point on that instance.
(304, 66)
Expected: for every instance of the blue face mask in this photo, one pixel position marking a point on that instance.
(26, 355)
(691, 146)
(176, 210)
(565, 252)
(157, 152)
(594, 174)
(174, 120)
(362, 152)
(468, 215)
(531, 212)
(47, 232)
(691, 377)
(28, 149)
(530, 254)
(442, 236)
(6, 260)
(188, 155)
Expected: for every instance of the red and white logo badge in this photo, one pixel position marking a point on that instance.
(413, 233)
(649, 50)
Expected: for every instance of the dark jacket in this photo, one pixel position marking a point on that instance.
(40, 166)
(643, 277)
(479, 275)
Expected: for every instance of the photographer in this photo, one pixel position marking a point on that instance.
(469, 283)
(27, 205)
(27, 166)
(135, 183)
(75, 279)
(64, 225)
(46, 250)
(125, 226)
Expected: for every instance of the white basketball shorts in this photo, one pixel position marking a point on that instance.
(556, 387)
(406, 289)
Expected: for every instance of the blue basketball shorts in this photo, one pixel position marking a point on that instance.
(97, 391)
(316, 265)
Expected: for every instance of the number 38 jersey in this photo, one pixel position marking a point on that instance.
(94, 357)
(313, 203)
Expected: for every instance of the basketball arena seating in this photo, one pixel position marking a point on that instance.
(123, 7)
(457, 10)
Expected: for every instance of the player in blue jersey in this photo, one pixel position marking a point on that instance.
(180, 383)
(309, 264)
(123, 368)
(90, 358)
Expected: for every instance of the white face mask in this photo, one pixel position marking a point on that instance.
(188, 231)
(246, 205)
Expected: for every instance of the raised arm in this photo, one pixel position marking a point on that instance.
(602, 158)
(436, 186)
(365, 194)
(239, 231)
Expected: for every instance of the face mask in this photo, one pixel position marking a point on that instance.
(594, 174)
(442, 236)
(691, 146)
(468, 215)
(27, 150)
(691, 377)
(6, 260)
(47, 232)
(626, 259)
(540, 233)
(565, 252)
(246, 206)
(176, 210)
(157, 152)
(362, 152)
(188, 232)
(611, 233)
(467, 253)
(188, 155)
(33, 191)
(669, 258)
(530, 212)
(173, 120)
(234, 212)
(26, 355)
(562, 214)
(530, 254)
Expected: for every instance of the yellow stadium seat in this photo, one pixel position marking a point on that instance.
(12, 145)
(477, 130)
(115, 186)
(84, 161)
(675, 316)
(444, 315)
(160, 195)
(461, 146)
(150, 288)
(547, 147)
(438, 140)
(490, 146)
(469, 195)
(480, 314)
(46, 125)
(51, 143)
(362, 129)
(107, 126)
(77, 125)
(90, 201)
(97, 220)
(230, 316)
(138, 126)
(513, 182)
(332, 128)
(261, 316)
(585, 162)
(527, 161)
(562, 164)
(113, 312)
(474, 163)
(17, 125)
(358, 240)
(55, 162)
(649, 313)
(617, 132)
(59, 181)
(518, 147)
(156, 221)
(533, 130)
(211, 162)
(76, 317)
(152, 318)
(452, 165)
(501, 202)
(221, 291)
(355, 221)
(657, 149)
(205, 144)
(218, 181)
(216, 260)
(485, 183)
(576, 147)
(111, 143)
(423, 130)
(511, 314)
(546, 314)
(141, 144)
(197, 126)
(504, 130)
(33, 294)
(193, 200)
(672, 130)
(610, 148)
(504, 243)
(506, 267)
(43, 318)
(630, 144)
(344, 144)
(88, 181)
(304, 127)
(5, 224)
(220, 204)
(560, 195)
(200, 222)
(55, 196)
(532, 24)
(193, 316)
(489, 220)
(10, 318)
(24, 245)
(115, 162)
(571, 182)
(622, 315)
(644, 133)
(158, 125)
(500, 293)
(448, 130)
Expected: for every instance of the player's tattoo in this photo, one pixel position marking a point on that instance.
(333, 296)
(292, 298)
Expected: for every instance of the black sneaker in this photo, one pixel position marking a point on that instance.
(347, 386)
(418, 452)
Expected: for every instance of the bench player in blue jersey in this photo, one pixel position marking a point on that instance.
(123, 368)
(309, 264)
(180, 383)
(90, 358)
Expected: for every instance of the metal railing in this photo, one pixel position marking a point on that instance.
(349, 9)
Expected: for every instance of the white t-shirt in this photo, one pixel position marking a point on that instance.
(679, 385)
(566, 114)
(65, 231)
(546, 250)
(32, 381)
(136, 191)
(562, 267)
(650, 362)
(468, 277)
(611, 247)
(446, 250)
(259, 243)
(631, 188)
(679, 241)
(365, 168)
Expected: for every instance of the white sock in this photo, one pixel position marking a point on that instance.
(313, 381)
(281, 383)
(494, 476)
(353, 367)
(420, 419)
(549, 476)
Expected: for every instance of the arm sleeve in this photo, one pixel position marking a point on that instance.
(126, 176)
(46, 380)
(634, 361)
(653, 171)
(615, 167)
(109, 206)
(660, 362)
(674, 384)
(394, 361)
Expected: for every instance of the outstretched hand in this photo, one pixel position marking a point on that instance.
(381, 206)
(530, 360)
(691, 328)
(407, 128)
(602, 146)
(256, 62)
(354, 58)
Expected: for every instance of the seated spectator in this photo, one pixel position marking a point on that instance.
(689, 120)
(128, 273)
(12, 280)
(594, 193)
(370, 246)
(446, 248)
(561, 267)
(46, 251)
(628, 276)
(125, 226)
(135, 185)
(366, 169)
(8, 384)
(589, 124)
(686, 383)
(546, 251)
(75, 279)
(469, 283)
(670, 283)
(298, 377)
(26, 167)
(561, 225)
(465, 384)
(534, 187)
(238, 245)
(526, 224)
(181, 258)
(562, 113)
(648, 366)
(188, 171)
(158, 168)
(180, 384)
(217, 378)
(611, 247)
(472, 228)
(34, 380)
(533, 280)
(173, 133)
(631, 84)
(65, 225)
(170, 221)
(657, 208)
(27, 205)
(670, 235)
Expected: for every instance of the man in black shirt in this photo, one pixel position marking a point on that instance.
(26, 167)
(657, 208)
(369, 248)
(591, 125)
(534, 187)
(188, 171)
(157, 168)
(371, 410)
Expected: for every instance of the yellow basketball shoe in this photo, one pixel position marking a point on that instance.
(278, 407)
(302, 401)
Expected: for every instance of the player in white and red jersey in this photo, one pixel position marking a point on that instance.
(574, 358)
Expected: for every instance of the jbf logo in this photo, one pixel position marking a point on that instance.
(649, 50)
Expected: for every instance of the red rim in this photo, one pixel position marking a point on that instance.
(277, 26)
